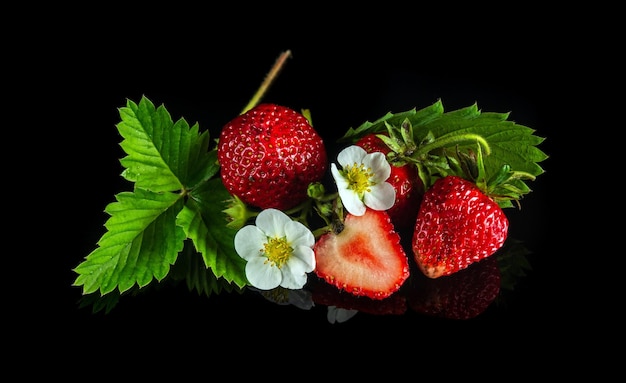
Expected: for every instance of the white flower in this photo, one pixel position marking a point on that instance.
(361, 182)
(278, 249)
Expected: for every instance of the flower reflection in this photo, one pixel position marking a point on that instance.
(281, 296)
(339, 315)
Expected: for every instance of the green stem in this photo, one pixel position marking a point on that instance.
(278, 65)
(329, 197)
(319, 231)
(444, 141)
(518, 175)
(298, 208)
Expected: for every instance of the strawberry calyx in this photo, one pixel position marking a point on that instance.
(429, 156)
(400, 141)
(503, 186)
(328, 207)
(432, 160)
(237, 212)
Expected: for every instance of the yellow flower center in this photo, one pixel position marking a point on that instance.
(358, 177)
(277, 251)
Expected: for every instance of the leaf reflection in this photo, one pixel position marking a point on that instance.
(463, 295)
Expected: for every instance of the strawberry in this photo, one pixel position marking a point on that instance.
(404, 179)
(463, 295)
(269, 156)
(364, 258)
(457, 225)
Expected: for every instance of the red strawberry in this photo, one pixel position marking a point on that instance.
(457, 225)
(269, 155)
(463, 295)
(405, 179)
(365, 258)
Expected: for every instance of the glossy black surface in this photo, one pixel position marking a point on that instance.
(343, 84)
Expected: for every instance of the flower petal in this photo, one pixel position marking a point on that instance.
(350, 155)
(293, 277)
(379, 165)
(382, 196)
(351, 201)
(249, 242)
(299, 235)
(272, 222)
(302, 260)
(262, 275)
(340, 180)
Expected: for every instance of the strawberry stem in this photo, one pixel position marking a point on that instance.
(445, 141)
(271, 76)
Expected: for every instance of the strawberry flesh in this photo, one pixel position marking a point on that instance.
(365, 258)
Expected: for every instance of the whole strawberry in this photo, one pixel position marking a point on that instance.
(404, 179)
(457, 225)
(269, 155)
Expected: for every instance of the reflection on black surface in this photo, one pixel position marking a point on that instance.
(461, 296)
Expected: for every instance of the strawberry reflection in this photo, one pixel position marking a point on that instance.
(325, 294)
(460, 296)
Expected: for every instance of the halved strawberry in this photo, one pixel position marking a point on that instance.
(365, 258)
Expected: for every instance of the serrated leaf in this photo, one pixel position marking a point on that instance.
(162, 155)
(511, 143)
(205, 223)
(420, 117)
(141, 243)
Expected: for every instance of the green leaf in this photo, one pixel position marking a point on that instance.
(511, 143)
(204, 222)
(163, 156)
(141, 243)
(420, 117)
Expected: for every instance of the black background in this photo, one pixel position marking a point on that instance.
(346, 70)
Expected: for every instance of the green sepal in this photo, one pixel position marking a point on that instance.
(440, 133)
